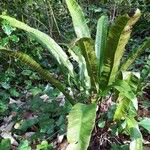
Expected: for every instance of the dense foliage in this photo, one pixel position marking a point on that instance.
(93, 76)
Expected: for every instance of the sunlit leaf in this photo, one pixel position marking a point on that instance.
(100, 43)
(14, 38)
(81, 121)
(125, 90)
(136, 144)
(132, 78)
(14, 92)
(123, 102)
(118, 37)
(45, 40)
(135, 134)
(101, 123)
(79, 21)
(44, 146)
(122, 108)
(7, 28)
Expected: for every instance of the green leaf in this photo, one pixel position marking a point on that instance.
(135, 133)
(124, 102)
(79, 21)
(44, 146)
(76, 54)
(132, 123)
(26, 72)
(136, 136)
(14, 92)
(101, 123)
(86, 46)
(47, 126)
(122, 108)
(126, 95)
(132, 78)
(111, 112)
(5, 144)
(35, 91)
(4, 41)
(134, 54)
(136, 144)
(145, 123)
(3, 107)
(100, 43)
(24, 145)
(27, 60)
(45, 40)
(5, 85)
(118, 37)
(118, 147)
(14, 38)
(81, 121)
(7, 28)
(125, 90)
(27, 124)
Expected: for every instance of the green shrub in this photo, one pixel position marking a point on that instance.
(99, 72)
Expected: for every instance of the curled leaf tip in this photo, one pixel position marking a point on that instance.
(134, 12)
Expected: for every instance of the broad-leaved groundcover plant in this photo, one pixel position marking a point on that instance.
(100, 72)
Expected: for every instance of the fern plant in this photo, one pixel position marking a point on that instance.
(100, 71)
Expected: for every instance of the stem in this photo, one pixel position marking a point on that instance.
(52, 13)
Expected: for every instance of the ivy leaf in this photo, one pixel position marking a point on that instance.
(24, 145)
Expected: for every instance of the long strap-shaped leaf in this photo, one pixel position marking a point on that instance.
(26, 59)
(86, 46)
(132, 78)
(118, 37)
(78, 19)
(124, 89)
(135, 134)
(76, 54)
(81, 121)
(100, 43)
(45, 40)
(134, 54)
